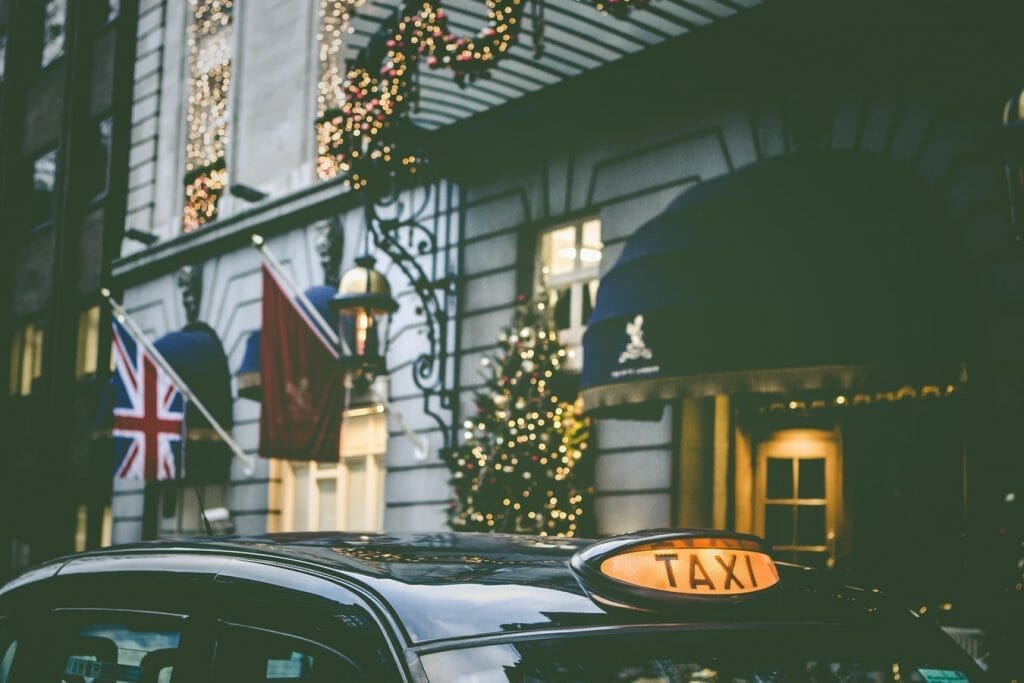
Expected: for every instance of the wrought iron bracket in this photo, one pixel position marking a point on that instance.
(402, 231)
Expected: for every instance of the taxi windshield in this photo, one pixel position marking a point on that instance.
(816, 654)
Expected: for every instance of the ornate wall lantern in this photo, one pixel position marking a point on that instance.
(364, 305)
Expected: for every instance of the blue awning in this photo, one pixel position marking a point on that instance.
(248, 374)
(196, 354)
(824, 270)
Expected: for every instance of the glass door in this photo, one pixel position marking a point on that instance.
(798, 492)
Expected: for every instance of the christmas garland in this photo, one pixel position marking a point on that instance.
(357, 137)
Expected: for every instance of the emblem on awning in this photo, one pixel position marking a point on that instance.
(636, 348)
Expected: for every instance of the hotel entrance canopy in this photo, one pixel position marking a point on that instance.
(576, 39)
(830, 270)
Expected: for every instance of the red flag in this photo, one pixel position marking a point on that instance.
(303, 391)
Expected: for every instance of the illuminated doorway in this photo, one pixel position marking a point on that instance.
(798, 494)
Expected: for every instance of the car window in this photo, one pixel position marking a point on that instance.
(776, 653)
(253, 655)
(115, 647)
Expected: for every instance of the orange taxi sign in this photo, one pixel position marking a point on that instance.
(677, 566)
(694, 571)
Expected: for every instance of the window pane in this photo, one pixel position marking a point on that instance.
(37, 351)
(590, 251)
(300, 497)
(561, 299)
(780, 478)
(364, 434)
(327, 490)
(98, 156)
(778, 524)
(113, 9)
(810, 525)
(143, 649)
(26, 359)
(88, 343)
(812, 478)
(53, 30)
(81, 528)
(357, 496)
(44, 176)
(14, 380)
(560, 251)
(254, 656)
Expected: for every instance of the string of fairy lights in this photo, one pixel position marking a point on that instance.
(335, 24)
(206, 139)
(358, 112)
(355, 139)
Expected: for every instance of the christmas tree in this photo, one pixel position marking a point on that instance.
(519, 468)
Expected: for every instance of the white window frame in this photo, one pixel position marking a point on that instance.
(339, 472)
(580, 277)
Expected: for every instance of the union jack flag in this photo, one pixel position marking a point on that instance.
(149, 415)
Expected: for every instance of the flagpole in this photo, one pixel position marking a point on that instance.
(248, 462)
(279, 270)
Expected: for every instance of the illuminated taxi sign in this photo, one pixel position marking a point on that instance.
(658, 568)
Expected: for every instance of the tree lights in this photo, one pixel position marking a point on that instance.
(518, 468)
(209, 48)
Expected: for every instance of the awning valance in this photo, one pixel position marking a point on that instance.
(833, 269)
(196, 354)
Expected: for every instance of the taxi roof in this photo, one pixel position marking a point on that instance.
(450, 585)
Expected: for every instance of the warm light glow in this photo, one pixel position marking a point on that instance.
(678, 567)
(209, 45)
(364, 322)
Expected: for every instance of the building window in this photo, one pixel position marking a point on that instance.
(88, 346)
(798, 491)
(570, 264)
(26, 359)
(209, 68)
(100, 138)
(334, 24)
(179, 507)
(347, 495)
(53, 30)
(44, 178)
(82, 528)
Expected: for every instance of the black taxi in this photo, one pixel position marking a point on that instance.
(651, 607)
